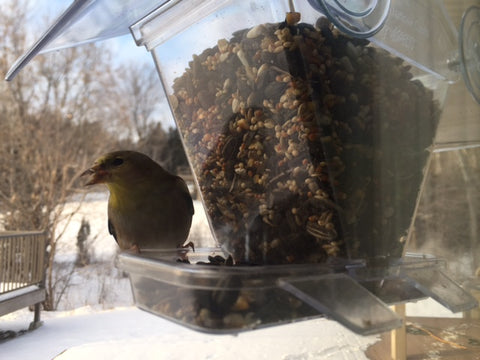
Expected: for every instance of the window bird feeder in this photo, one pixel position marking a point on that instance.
(309, 126)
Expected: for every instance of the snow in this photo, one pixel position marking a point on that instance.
(129, 333)
(18, 292)
(96, 318)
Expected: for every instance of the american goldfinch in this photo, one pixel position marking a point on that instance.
(148, 207)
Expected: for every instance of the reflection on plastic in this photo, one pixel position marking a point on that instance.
(421, 33)
(344, 300)
(230, 299)
(441, 288)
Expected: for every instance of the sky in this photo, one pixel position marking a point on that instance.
(95, 20)
(122, 48)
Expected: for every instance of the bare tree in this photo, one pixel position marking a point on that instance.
(139, 94)
(51, 126)
(59, 113)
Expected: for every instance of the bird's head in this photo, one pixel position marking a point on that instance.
(120, 168)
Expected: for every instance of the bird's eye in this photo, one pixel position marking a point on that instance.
(117, 162)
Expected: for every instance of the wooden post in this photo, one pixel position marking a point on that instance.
(473, 287)
(398, 336)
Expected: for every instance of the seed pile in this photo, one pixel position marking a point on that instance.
(223, 309)
(307, 144)
(229, 300)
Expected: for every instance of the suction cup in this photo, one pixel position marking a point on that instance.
(360, 18)
(469, 40)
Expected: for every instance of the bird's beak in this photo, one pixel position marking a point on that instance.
(97, 175)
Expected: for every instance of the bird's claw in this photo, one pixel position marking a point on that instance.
(134, 249)
(187, 245)
(183, 251)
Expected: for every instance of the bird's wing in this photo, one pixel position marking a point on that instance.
(189, 201)
(186, 194)
(111, 230)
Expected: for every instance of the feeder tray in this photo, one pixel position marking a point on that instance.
(217, 298)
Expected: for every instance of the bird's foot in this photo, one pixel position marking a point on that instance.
(187, 245)
(183, 251)
(134, 249)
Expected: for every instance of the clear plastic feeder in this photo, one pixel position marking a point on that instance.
(309, 126)
(307, 143)
(310, 145)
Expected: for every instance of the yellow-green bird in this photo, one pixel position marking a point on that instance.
(148, 207)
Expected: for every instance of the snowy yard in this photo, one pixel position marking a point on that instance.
(96, 318)
(129, 333)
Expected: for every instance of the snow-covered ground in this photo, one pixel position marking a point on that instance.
(129, 333)
(97, 319)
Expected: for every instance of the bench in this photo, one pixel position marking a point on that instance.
(22, 272)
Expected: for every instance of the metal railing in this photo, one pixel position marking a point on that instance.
(22, 256)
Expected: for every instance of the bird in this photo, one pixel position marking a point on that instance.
(148, 207)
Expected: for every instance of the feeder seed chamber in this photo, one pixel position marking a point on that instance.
(309, 127)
